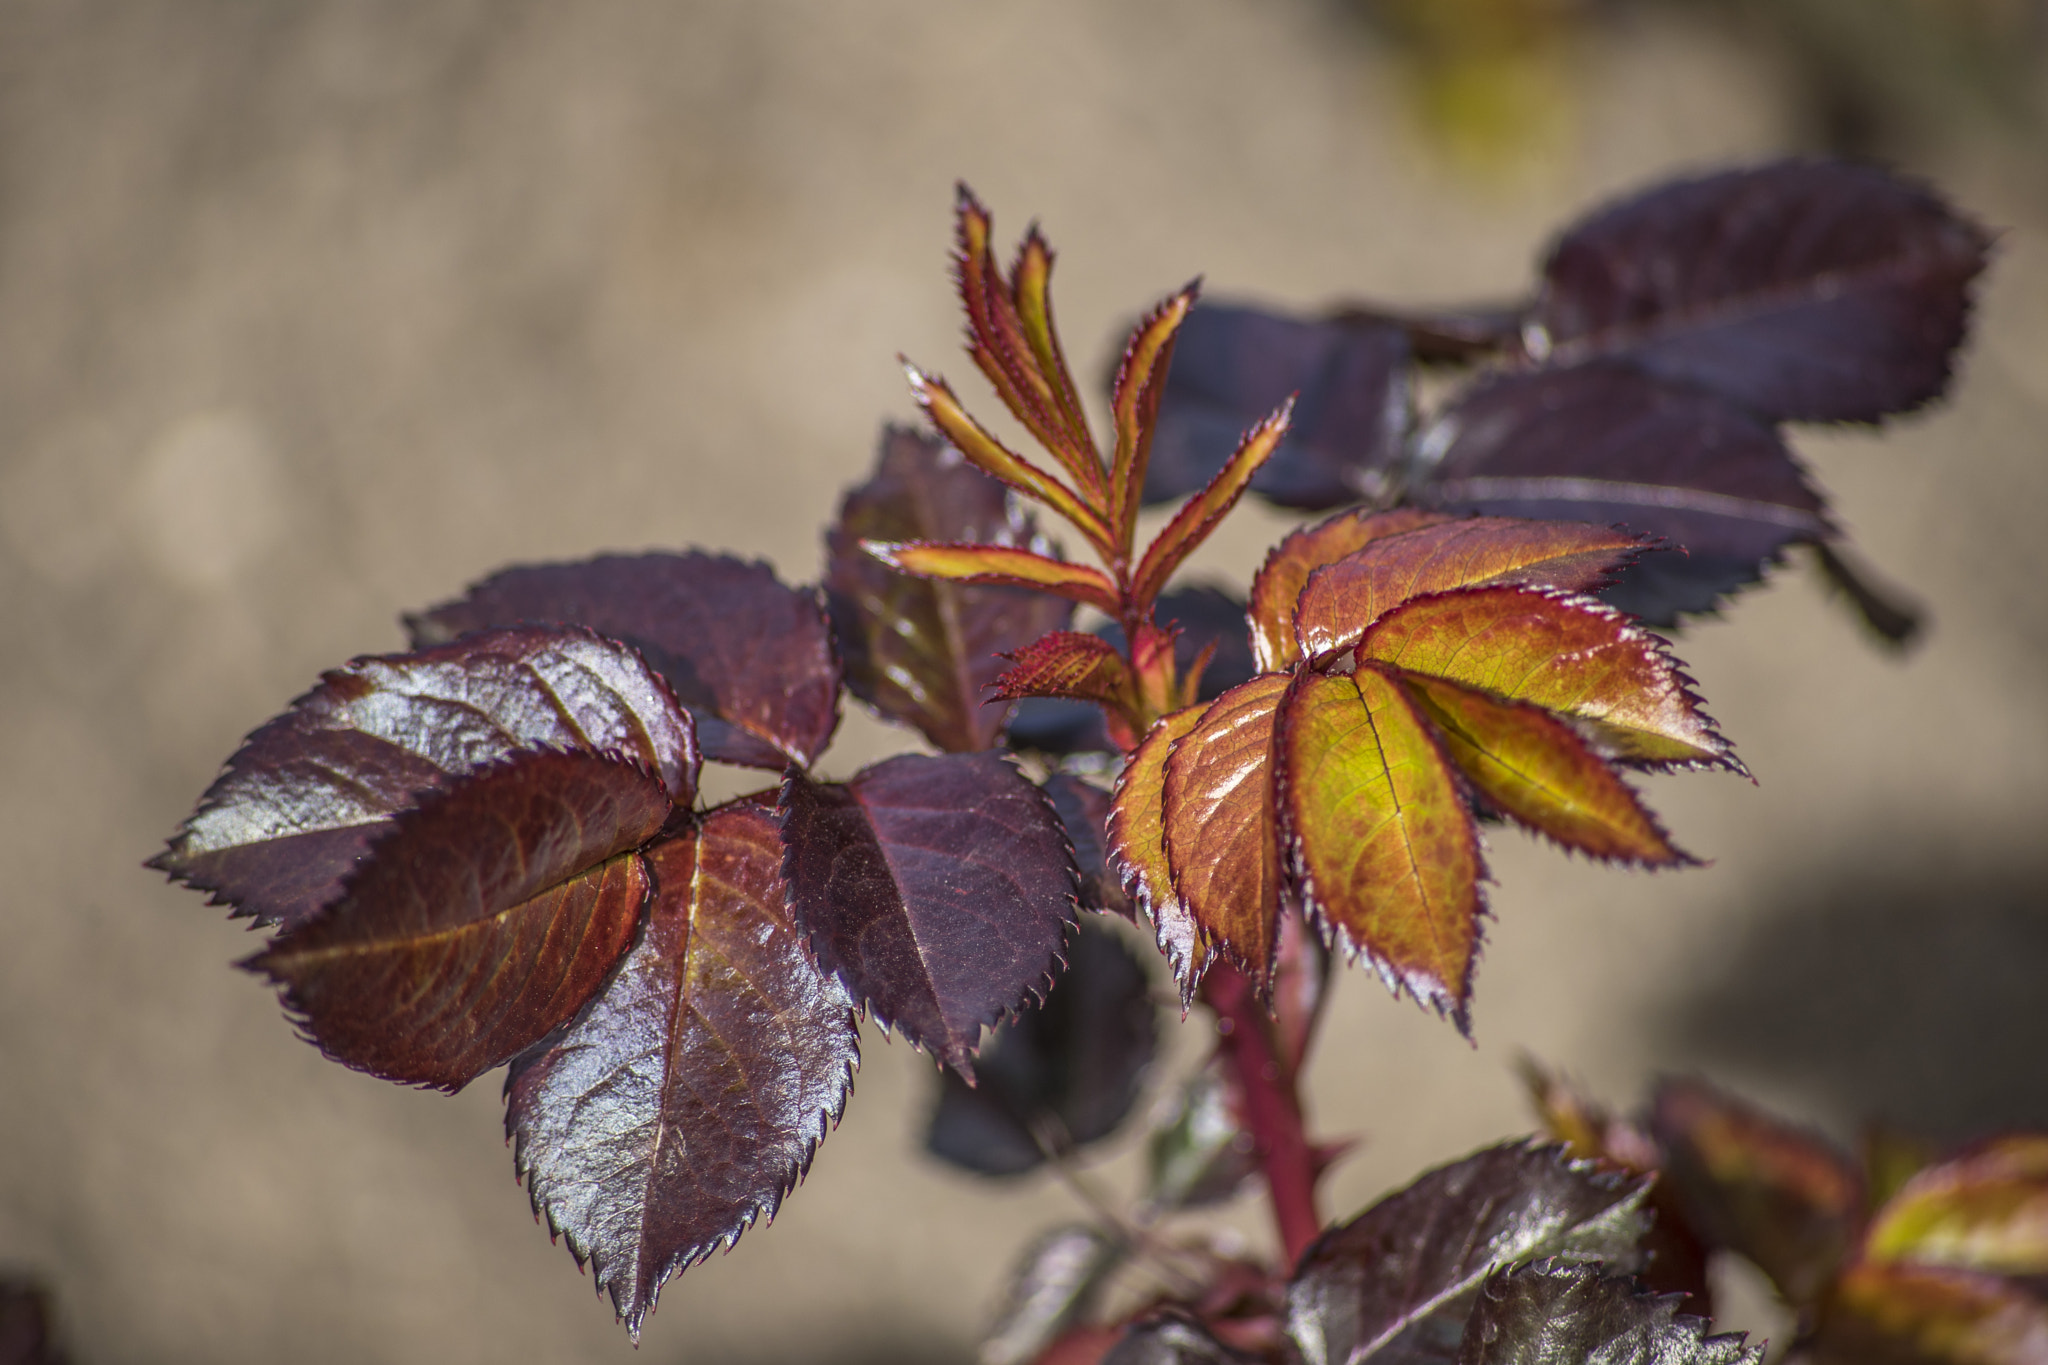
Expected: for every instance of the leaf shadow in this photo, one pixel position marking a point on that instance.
(1904, 984)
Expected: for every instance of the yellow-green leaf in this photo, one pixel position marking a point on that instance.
(1137, 846)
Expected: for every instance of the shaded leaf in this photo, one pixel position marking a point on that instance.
(1565, 654)
(1054, 1285)
(1208, 619)
(1172, 1337)
(1782, 1196)
(1083, 809)
(1805, 290)
(1608, 444)
(299, 805)
(1302, 967)
(1922, 1315)
(688, 1101)
(1428, 1247)
(1201, 514)
(1884, 610)
(27, 1333)
(1236, 364)
(750, 658)
(939, 889)
(1137, 848)
(1281, 578)
(1057, 728)
(1553, 1314)
(1984, 1210)
(1382, 846)
(1069, 664)
(483, 921)
(920, 650)
(1203, 1153)
(1061, 1074)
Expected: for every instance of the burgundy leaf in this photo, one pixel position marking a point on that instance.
(1233, 366)
(939, 888)
(1069, 664)
(1173, 1337)
(921, 650)
(750, 658)
(1084, 813)
(1804, 290)
(483, 921)
(688, 1101)
(1607, 444)
(301, 802)
(1563, 1314)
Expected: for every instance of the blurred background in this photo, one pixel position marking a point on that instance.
(312, 312)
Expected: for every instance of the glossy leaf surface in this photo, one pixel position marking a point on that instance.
(920, 650)
(688, 1101)
(304, 798)
(1805, 290)
(751, 658)
(1285, 573)
(1553, 1314)
(486, 919)
(1137, 848)
(1000, 565)
(1984, 1210)
(1135, 394)
(940, 890)
(1419, 1250)
(1920, 1315)
(1071, 664)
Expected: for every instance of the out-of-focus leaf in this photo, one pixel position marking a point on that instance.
(1054, 1285)
(1222, 834)
(1137, 848)
(1984, 1210)
(688, 1101)
(301, 802)
(1361, 1285)
(1605, 443)
(920, 650)
(484, 920)
(1172, 1337)
(939, 889)
(1925, 1315)
(1379, 836)
(1286, 570)
(1065, 1072)
(1884, 610)
(27, 1336)
(1782, 1196)
(1890, 1159)
(1552, 1314)
(1342, 600)
(1236, 364)
(1301, 986)
(1201, 514)
(1534, 768)
(1071, 664)
(1565, 654)
(1805, 290)
(1057, 728)
(750, 658)
(1084, 813)
(1202, 1154)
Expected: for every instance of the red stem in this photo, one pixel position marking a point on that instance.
(1272, 1105)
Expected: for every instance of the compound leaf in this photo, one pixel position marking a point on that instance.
(751, 658)
(484, 920)
(1984, 1210)
(1927, 1315)
(1137, 848)
(299, 805)
(1562, 1314)
(1281, 578)
(938, 888)
(688, 1101)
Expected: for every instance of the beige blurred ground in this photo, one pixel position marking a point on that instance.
(310, 313)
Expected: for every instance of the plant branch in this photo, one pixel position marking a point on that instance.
(1272, 1106)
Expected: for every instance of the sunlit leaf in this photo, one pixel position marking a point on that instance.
(1806, 290)
(1984, 1210)
(751, 658)
(920, 650)
(301, 802)
(1137, 848)
(1000, 565)
(1924, 1315)
(1084, 814)
(1068, 663)
(1134, 397)
(687, 1102)
(1379, 835)
(1552, 1314)
(1200, 515)
(485, 919)
(994, 458)
(1428, 1247)
(940, 890)
(1281, 578)
(1054, 1285)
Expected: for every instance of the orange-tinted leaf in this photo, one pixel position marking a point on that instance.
(1222, 836)
(1535, 768)
(1068, 663)
(992, 457)
(1342, 600)
(1031, 289)
(1137, 848)
(1918, 1315)
(1782, 1196)
(1562, 653)
(1379, 835)
(1134, 401)
(1286, 570)
(485, 920)
(1985, 1210)
(1200, 514)
(999, 564)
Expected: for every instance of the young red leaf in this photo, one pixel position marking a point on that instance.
(939, 889)
(1428, 1247)
(917, 649)
(1000, 565)
(1281, 578)
(1200, 514)
(1920, 1315)
(1804, 290)
(483, 921)
(1984, 1210)
(1217, 806)
(1341, 601)
(1134, 397)
(1565, 654)
(1071, 664)
(751, 658)
(687, 1102)
(1031, 288)
(1782, 1196)
(1382, 845)
(1562, 1314)
(1533, 767)
(1137, 848)
(994, 458)
(305, 797)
